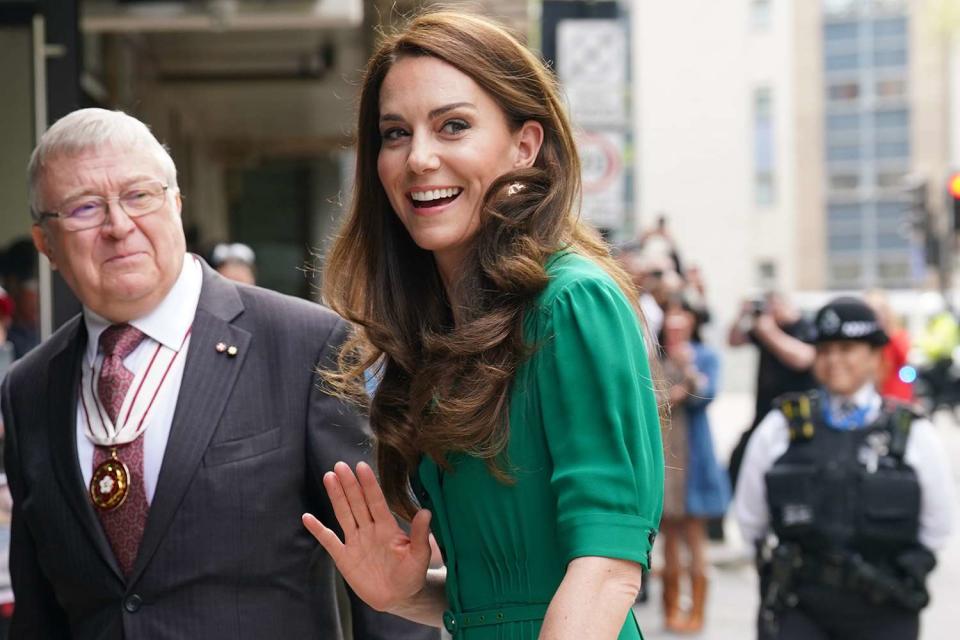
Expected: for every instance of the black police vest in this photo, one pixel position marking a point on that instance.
(844, 491)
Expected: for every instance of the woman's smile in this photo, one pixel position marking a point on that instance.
(428, 201)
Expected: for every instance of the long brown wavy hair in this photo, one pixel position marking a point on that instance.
(444, 385)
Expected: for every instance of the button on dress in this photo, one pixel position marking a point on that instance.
(584, 455)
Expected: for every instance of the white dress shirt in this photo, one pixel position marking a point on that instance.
(167, 324)
(924, 453)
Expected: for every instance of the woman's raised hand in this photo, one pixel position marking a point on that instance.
(383, 565)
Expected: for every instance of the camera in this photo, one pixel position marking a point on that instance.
(758, 306)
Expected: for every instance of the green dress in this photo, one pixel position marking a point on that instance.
(585, 457)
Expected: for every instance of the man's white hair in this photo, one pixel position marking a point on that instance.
(90, 129)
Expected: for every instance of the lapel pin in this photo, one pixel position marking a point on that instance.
(232, 351)
(220, 347)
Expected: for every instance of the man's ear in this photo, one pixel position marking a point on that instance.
(529, 140)
(42, 243)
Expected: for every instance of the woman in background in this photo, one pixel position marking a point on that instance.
(696, 486)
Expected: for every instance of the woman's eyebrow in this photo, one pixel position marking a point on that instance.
(439, 111)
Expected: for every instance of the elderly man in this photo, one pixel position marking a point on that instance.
(162, 445)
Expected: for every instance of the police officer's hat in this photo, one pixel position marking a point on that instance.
(848, 318)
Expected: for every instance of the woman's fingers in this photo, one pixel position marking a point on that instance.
(373, 494)
(355, 498)
(420, 535)
(341, 506)
(327, 538)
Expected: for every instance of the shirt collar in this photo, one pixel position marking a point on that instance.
(169, 321)
(865, 396)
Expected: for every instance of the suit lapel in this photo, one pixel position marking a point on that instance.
(64, 381)
(208, 378)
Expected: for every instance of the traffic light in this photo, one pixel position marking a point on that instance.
(953, 198)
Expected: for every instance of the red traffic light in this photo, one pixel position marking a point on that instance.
(954, 185)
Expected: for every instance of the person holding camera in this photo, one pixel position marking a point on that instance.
(846, 495)
(781, 335)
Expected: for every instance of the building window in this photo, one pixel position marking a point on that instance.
(843, 91)
(845, 243)
(844, 181)
(888, 6)
(890, 57)
(760, 13)
(840, 8)
(890, 28)
(892, 214)
(894, 270)
(767, 275)
(843, 62)
(846, 273)
(843, 122)
(763, 147)
(893, 119)
(891, 88)
(891, 179)
(841, 32)
(844, 212)
(893, 150)
(893, 239)
(843, 152)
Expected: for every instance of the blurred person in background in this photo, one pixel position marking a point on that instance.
(781, 334)
(890, 375)
(697, 488)
(856, 491)
(515, 415)
(18, 268)
(648, 276)
(938, 384)
(657, 242)
(235, 261)
(7, 349)
(7, 357)
(695, 293)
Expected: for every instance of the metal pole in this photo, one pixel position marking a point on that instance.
(45, 276)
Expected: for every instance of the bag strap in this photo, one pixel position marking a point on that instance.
(899, 425)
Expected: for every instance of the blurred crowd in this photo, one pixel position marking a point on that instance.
(921, 373)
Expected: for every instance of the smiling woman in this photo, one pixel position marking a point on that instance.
(445, 141)
(514, 411)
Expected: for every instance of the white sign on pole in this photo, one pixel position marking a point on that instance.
(604, 178)
(592, 65)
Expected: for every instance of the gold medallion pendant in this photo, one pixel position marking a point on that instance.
(110, 483)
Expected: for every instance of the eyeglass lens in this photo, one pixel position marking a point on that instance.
(91, 211)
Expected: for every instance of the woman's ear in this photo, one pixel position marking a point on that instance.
(529, 139)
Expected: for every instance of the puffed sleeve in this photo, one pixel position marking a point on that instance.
(601, 423)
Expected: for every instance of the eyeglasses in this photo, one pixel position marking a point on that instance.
(89, 211)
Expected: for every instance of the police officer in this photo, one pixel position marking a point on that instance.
(846, 496)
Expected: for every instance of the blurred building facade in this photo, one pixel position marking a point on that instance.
(886, 132)
(790, 135)
(787, 141)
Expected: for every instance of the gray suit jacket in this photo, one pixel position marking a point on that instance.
(224, 554)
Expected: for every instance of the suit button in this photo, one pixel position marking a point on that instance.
(132, 603)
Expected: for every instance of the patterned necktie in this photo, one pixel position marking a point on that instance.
(124, 525)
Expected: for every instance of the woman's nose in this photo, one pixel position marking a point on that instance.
(423, 156)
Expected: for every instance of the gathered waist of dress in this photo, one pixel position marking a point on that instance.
(455, 622)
